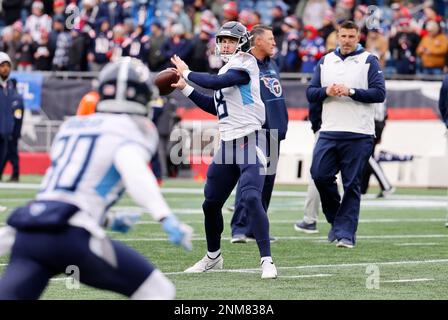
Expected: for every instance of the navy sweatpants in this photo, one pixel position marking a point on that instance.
(3, 151)
(238, 160)
(38, 256)
(349, 157)
(12, 155)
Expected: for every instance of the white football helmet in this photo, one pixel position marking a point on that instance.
(235, 30)
(126, 86)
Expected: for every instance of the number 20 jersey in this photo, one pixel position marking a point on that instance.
(240, 108)
(82, 170)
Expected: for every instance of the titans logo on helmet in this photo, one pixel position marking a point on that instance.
(274, 86)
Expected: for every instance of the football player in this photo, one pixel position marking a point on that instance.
(241, 114)
(94, 159)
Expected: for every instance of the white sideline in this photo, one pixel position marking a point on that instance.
(417, 244)
(407, 280)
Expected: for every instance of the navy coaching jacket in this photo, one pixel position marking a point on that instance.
(272, 96)
(7, 97)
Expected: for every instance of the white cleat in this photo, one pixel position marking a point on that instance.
(206, 264)
(269, 271)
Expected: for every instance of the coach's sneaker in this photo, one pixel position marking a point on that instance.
(302, 226)
(251, 238)
(239, 238)
(345, 243)
(206, 264)
(269, 271)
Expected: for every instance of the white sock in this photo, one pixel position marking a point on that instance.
(267, 259)
(213, 255)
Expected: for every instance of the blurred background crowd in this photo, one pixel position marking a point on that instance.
(409, 37)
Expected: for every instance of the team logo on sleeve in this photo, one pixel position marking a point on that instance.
(274, 86)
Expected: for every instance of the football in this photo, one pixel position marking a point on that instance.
(164, 79)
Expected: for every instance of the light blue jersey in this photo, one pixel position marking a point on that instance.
(240, 108)
(82, 170)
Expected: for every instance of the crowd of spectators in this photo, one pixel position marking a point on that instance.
(408, 37)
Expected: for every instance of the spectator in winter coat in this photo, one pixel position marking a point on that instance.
(311, 49)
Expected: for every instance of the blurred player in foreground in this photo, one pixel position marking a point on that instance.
(95, 159)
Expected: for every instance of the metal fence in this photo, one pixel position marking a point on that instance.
(37, 137)
(284, 75)
(38, 131)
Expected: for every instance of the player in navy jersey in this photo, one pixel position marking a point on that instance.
(241, 114)
(94, 159)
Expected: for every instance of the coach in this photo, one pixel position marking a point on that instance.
(348, 82)
(7, 93)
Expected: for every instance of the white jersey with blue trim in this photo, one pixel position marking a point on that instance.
(240, 108)
(82, 170)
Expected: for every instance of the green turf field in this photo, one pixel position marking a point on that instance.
(402, 249)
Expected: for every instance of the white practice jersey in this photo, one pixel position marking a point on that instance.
(240, 108)
(82, 170)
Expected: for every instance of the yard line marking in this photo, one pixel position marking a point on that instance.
(61, 279)
(407, 280)
(321, 275)
(320, 221)
(363, 264)
(343, 265)
(198, 211)
(417, 244)
(387, 220)
(20, 186)
(380, 220)
(406, 236)
(200, 191)
(16, 199)
(317, 266)
(308, 276)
